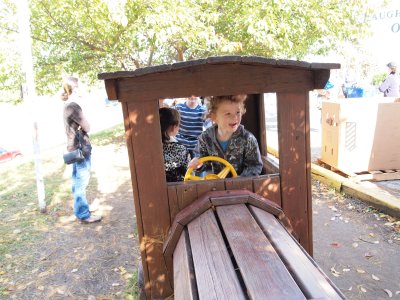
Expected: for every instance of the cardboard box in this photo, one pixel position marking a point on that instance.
(361, 134)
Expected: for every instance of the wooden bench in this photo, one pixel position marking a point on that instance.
(238, 245)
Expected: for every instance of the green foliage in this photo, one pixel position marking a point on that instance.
(378, 78)
(92, 36)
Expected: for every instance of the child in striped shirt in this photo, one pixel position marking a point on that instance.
(192, 121)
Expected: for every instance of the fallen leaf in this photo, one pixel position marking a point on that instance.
(360, 271)
(60, 292)
(390, 294)
(375, 277)
(334, 272)
(122, 270)
(371, 234)
(368, 255)
(332, 208)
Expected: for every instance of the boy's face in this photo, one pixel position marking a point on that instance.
(228, 116)
(192, 101)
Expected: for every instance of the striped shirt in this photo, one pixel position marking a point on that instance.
(191, 126)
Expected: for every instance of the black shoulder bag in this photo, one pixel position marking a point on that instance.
(82, 151)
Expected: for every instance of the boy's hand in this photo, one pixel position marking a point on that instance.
(195, 163)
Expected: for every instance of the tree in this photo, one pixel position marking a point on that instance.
(87, 37)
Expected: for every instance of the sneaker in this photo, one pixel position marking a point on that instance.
(93, 207)
(92, 219)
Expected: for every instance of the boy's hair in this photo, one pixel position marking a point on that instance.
(215, 101)
(168, 117)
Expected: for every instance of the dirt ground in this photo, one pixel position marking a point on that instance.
(357, 247)
(85, 261)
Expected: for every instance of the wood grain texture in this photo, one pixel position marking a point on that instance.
(185, 287)
(239, 183)
(152, 198)
(139, 223)
(226, 59)
(264, 274)
(187, 193)
(220, 79)
(268, 187)
(215, 275)
(313, 282)
(295, 163)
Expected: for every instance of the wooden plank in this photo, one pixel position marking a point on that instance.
(229, 200)
(313, 282)
(215, 274)
(264, 274)
(209, 185)
(169, 247)
(172, 201)
(215, 80)
(295, 163)
(135, 189)
(111, 88)
(185, 286)
(187, 193)
(239, 183)
(150, 199)
(227, 59)
(265, 204)
(269, 187)
(193, 210)
(251, 119)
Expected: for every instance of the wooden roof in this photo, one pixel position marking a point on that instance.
(222, 75)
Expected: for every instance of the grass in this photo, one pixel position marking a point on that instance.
(21, 223)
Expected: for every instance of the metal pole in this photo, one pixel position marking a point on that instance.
(29, 93)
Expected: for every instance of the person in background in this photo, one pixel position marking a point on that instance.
(228, 139)
(176, 156)
(192, 121)
(391, 85)
(74, 120)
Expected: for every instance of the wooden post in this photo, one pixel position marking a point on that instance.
(143, 137)
(295, 163)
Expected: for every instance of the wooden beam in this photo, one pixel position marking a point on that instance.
(223, 79)
(295, 163)
(151, 200)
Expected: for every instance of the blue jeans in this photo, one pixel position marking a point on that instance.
(80, 180)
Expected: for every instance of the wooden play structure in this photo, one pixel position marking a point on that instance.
(232, 238)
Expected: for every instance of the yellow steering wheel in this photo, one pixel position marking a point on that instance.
(225, 171)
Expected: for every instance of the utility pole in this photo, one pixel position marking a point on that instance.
(29, 94)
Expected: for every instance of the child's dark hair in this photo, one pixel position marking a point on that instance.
(168, 117)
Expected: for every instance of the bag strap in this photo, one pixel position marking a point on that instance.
(79, 136)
